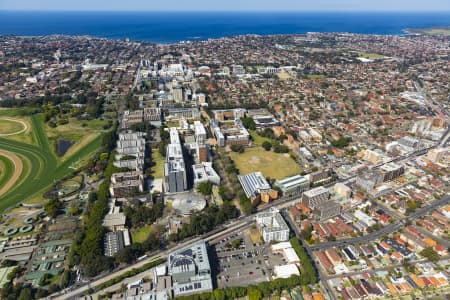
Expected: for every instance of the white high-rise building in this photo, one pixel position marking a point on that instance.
(272, 226)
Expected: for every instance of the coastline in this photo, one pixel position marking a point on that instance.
(170, 28)
(435, 30)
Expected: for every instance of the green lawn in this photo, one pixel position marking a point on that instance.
(141, 234)
(9, 126)
(173, 124)
(271, 164)
(257, 139)
(158, 168)
(81, 132)
(19, 114)
(6, 170)
(43, 167)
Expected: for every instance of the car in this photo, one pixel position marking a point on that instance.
(250, 273)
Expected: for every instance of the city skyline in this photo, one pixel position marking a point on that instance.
(232, 5)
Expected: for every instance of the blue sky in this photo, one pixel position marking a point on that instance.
(229, 5)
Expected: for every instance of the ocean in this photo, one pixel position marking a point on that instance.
(170, 27)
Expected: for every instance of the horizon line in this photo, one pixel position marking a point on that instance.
(226, 11)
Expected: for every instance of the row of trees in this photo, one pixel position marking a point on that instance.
(231, 172)
(165, 140)
(205, 221)
(308, 272)
(36, 102)
(88, 247)
(19, 291)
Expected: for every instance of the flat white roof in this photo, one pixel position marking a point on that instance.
(316, 191)
(292, 181)
(291, 255)
(174, 151)
(286, 271)
(174, 137)
(199, 128)
(281, 246)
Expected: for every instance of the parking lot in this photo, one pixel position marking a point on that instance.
(248, 263)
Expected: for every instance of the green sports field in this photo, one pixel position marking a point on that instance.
(43, 167)
(271, 164)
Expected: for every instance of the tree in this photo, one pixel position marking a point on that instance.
(268, 133)
(249, 123)
(236, 243)
(278, 148)
(430, 253)
(309, 275)
(162, 149)
(342, 142)
(52, 207)
(246, 205)
(254, 293)
(65, 279)
(205, 188)
(237, 148)
(266, 145)
(139, 214)
(25, 294)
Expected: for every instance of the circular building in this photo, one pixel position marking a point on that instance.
(30, 220)
(10, 231)
(26, 228)
(186, 203)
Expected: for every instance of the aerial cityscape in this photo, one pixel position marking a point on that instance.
(218, 160)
